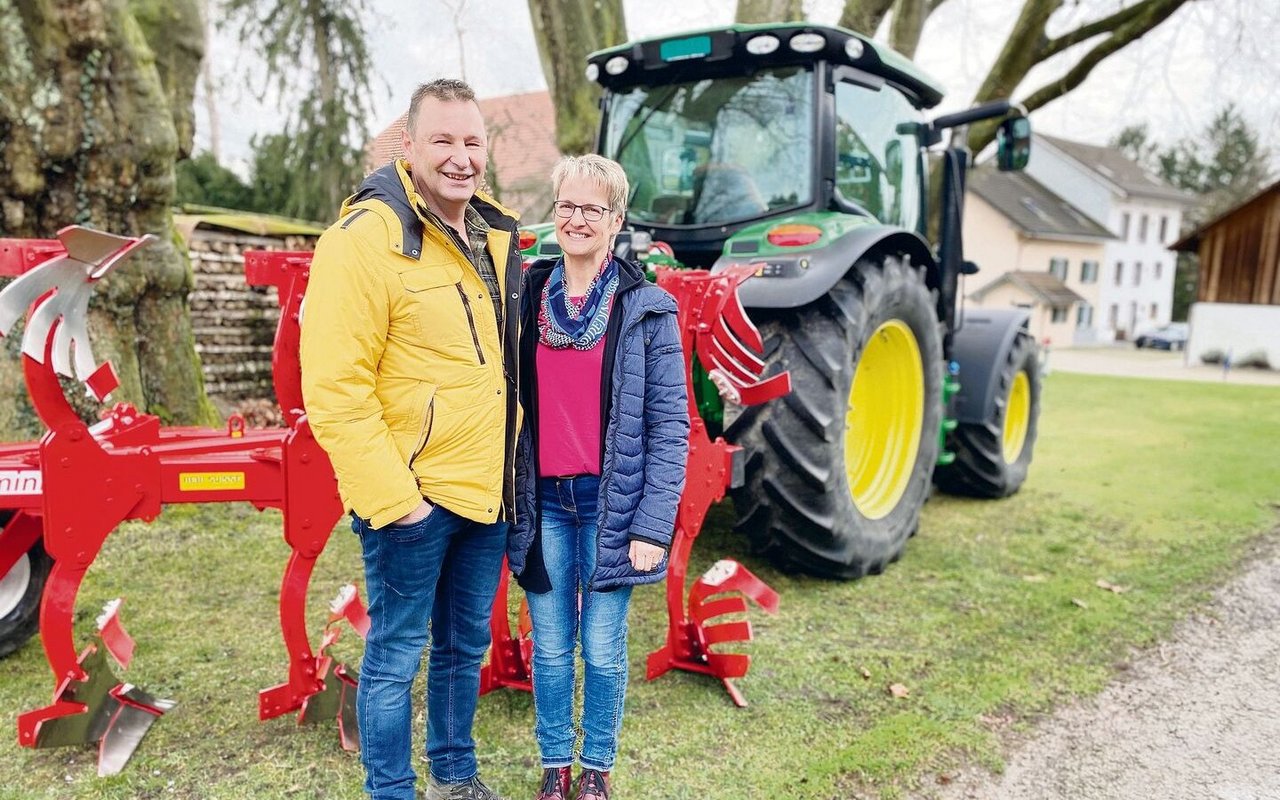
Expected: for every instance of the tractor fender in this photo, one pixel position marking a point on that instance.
(980, 346)
(792, 280)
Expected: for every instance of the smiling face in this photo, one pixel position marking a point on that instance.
(580, 239)
(447, 152)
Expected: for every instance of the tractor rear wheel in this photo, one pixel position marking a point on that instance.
(838, 470)
(992, 457)
(20, 592)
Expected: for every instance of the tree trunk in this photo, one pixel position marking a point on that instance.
(753, 11)
(567, 31)
(92, 121)
(864, 16)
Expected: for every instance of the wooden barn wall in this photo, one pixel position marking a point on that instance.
(1240, 255)
(234, 323)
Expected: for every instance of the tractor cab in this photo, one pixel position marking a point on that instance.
(723, 129)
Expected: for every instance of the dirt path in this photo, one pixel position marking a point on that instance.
(1197, 717)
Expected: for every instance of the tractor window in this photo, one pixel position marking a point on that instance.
(877, 167)
(715, 151)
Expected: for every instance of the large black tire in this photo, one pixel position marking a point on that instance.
(797, 506)
(20, 592)
(992, 457)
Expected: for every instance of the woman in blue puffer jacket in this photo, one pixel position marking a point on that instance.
(600, 466)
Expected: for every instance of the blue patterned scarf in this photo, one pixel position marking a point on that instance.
(562, 324)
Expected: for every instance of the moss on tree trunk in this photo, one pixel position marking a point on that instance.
(91, 124)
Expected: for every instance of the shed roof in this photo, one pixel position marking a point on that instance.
(189, 217)
(1191, 242)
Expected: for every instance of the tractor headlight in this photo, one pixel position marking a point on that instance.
(854, 48)
(762, 45)
(593, 71)
(616, 65)
(808, 42)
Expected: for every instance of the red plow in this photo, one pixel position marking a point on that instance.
(70, 490)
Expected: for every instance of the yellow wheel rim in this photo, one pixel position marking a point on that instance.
(884, 419)
(1017, 417)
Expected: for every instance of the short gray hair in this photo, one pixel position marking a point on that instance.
(446, 90)
(607, 173)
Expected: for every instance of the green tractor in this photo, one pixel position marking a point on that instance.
(802, 149)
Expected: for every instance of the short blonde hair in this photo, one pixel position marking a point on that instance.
(605, 172)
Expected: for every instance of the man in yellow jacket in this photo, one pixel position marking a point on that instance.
(409, 378)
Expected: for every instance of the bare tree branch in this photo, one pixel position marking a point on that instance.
(1028, 45)
(1086, 32)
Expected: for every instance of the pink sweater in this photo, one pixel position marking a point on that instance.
(569, 410)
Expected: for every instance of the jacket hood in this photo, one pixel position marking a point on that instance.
(393, 186)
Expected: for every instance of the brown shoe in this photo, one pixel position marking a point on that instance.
(593, 785)
(555, 784)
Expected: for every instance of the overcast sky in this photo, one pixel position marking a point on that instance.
(1174, 79)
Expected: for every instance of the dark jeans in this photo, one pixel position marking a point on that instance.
(444, 569)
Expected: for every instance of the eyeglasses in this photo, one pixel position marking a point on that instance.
(590, 213)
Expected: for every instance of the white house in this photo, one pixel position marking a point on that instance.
(1135, 287)
(1033, 250)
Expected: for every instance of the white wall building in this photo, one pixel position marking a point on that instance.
(1135, 287)
(1036, 251)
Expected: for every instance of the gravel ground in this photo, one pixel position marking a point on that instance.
(1196, 717)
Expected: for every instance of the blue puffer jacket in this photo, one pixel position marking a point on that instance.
(645, 441)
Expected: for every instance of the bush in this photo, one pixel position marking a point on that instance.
(1214, 356)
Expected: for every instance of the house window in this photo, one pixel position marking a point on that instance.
(1137, 274)
(1113, 318)
(1155, 309)
(1088, 271)
(1159, 269)
(1119, 272)
(1084, 315)
(1142, 228)
(1124, 227)
(1164, 230)
(1058, 268)
(1059, 313)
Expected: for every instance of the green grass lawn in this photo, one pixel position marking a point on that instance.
(992, 617)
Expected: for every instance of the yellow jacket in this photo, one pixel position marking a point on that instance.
(407, 384)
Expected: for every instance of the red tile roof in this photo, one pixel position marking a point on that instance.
(522, 150)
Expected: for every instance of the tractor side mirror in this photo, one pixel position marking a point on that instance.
(1013, 144)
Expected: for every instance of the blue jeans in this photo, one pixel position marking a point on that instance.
(568, 508)
(444, 569)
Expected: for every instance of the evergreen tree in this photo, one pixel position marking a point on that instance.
(317, 48)
(201, 180)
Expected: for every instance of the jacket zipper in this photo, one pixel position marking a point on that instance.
(471, 321)
(606, 470)
(428, 421)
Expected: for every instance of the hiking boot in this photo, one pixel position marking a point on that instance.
(467, 790)
(555, 784)
(593, 785)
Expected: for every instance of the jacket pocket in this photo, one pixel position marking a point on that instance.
(430, 276)
(426, 413)
(471, 322)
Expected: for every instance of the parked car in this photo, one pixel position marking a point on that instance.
(1172, 336)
